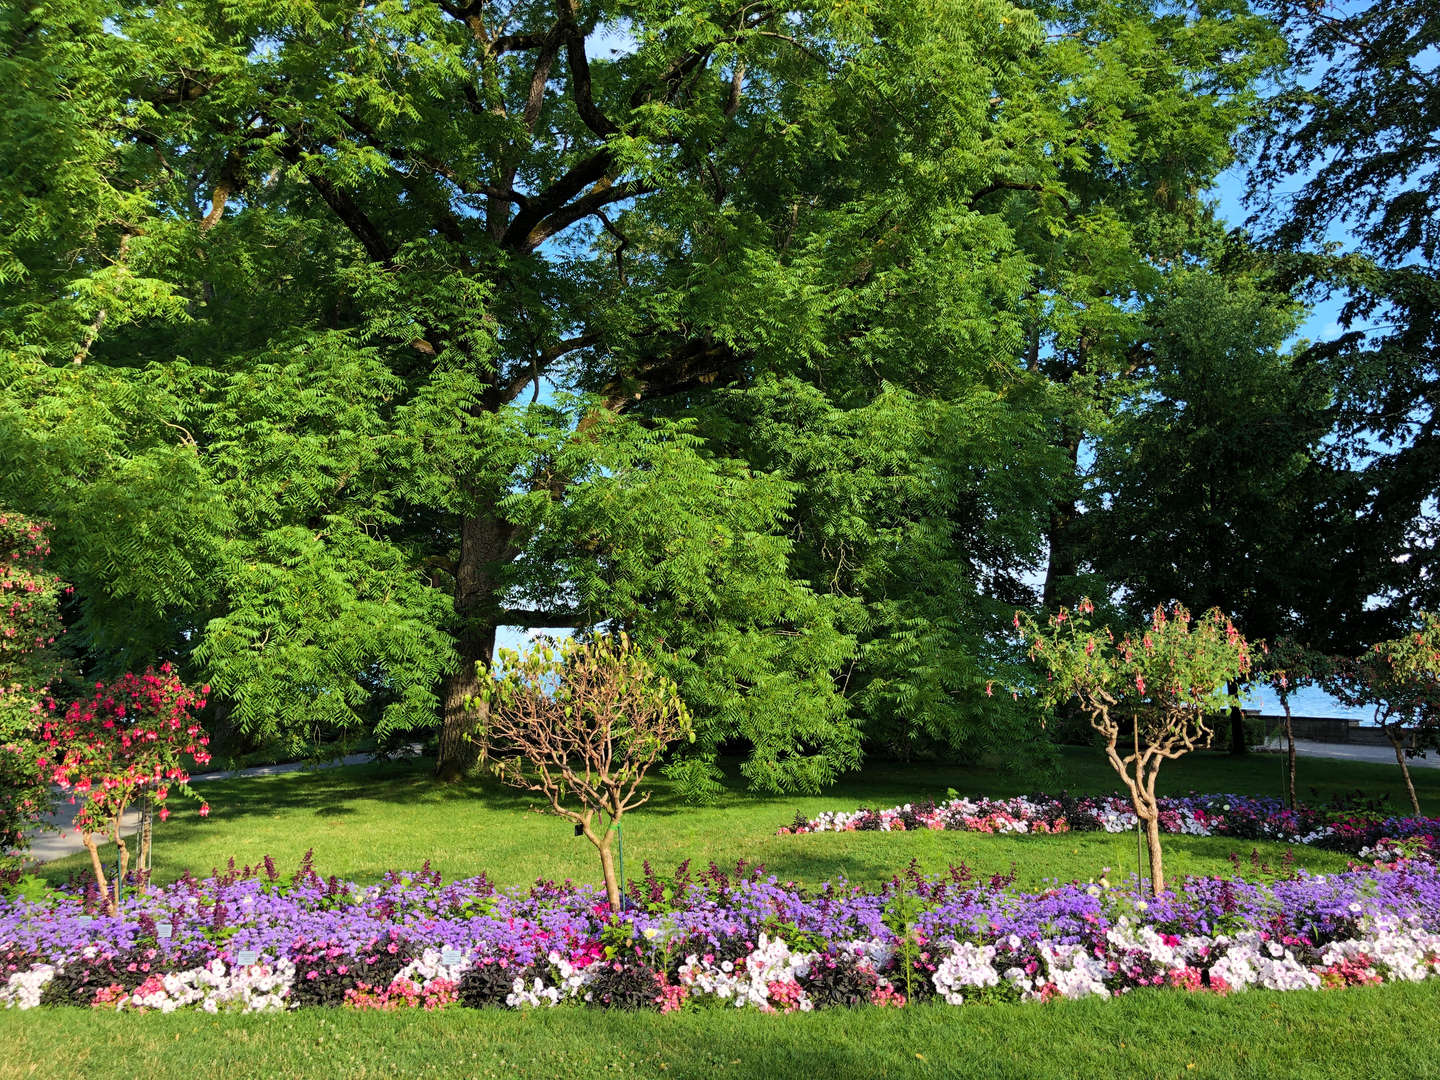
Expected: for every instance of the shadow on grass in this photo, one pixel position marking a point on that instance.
(396, 810)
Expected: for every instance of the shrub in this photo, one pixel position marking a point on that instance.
(126, 741)
(631, 985)
(839, 980)
(29, 626)
(582, 723)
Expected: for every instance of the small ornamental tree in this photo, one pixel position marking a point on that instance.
(29, 627)
(1400, 680)
(1155, 689)
(128, 741)
(1288, 666)
(581, 723)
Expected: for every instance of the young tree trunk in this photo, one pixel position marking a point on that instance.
(122, 851)
(1157, 858)
(147, 835)
(1398, 743)
(607, 867)
(100, 882)
(484, 542)
(1289, 750)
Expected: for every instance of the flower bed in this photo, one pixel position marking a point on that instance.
(250, 942)
(1241, 816)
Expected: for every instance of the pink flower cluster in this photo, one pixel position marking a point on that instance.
(132, 737)
(403, 993)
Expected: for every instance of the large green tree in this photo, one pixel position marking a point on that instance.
(1217, 480)
(285, 284)
(1350, 142)
(1214, 481)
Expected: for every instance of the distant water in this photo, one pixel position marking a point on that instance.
(1307, 702)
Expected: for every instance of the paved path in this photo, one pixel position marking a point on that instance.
(47, 845)
(1377, 755)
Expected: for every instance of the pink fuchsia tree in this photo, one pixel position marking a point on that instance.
(1156, 688)
(1400, 680)
(582, 722)
(29, 627)
(1287, 666)
(128, 741)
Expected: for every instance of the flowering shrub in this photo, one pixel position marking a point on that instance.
(1244, 816)
(29, 626)
(127, 740)
(1162, 682)
(412, 942)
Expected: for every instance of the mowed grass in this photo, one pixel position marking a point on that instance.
(364, 820)
(1367, 1034)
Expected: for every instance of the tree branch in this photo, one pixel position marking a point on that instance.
(345, 208)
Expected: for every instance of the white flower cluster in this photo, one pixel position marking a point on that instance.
(747, 981)
(1015, 815)
(1248, 961)
(431, 966)
(212, 988)
(1408, 952)
(23, 989)
(967, 965)
(571, 983)
(1074, 972)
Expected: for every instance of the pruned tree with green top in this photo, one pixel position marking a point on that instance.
(581, 722)
(1400, 680)
(1156, 688)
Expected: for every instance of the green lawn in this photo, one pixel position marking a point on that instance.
(1365, 1034)
(364, 820)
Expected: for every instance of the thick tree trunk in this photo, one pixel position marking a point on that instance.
(1398, 743)
(1238, 744)
(1063, 561)
(484, 543)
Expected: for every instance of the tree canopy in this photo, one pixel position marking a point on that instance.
(335, 336)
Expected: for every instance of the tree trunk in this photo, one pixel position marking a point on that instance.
(1398, 744)
(122, 854)
(607, 867)
(1157, 867)
(89, 841)
(147, 836)
(1062, 563)
(1238, 744)
(484, 542)
(1289, 750)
